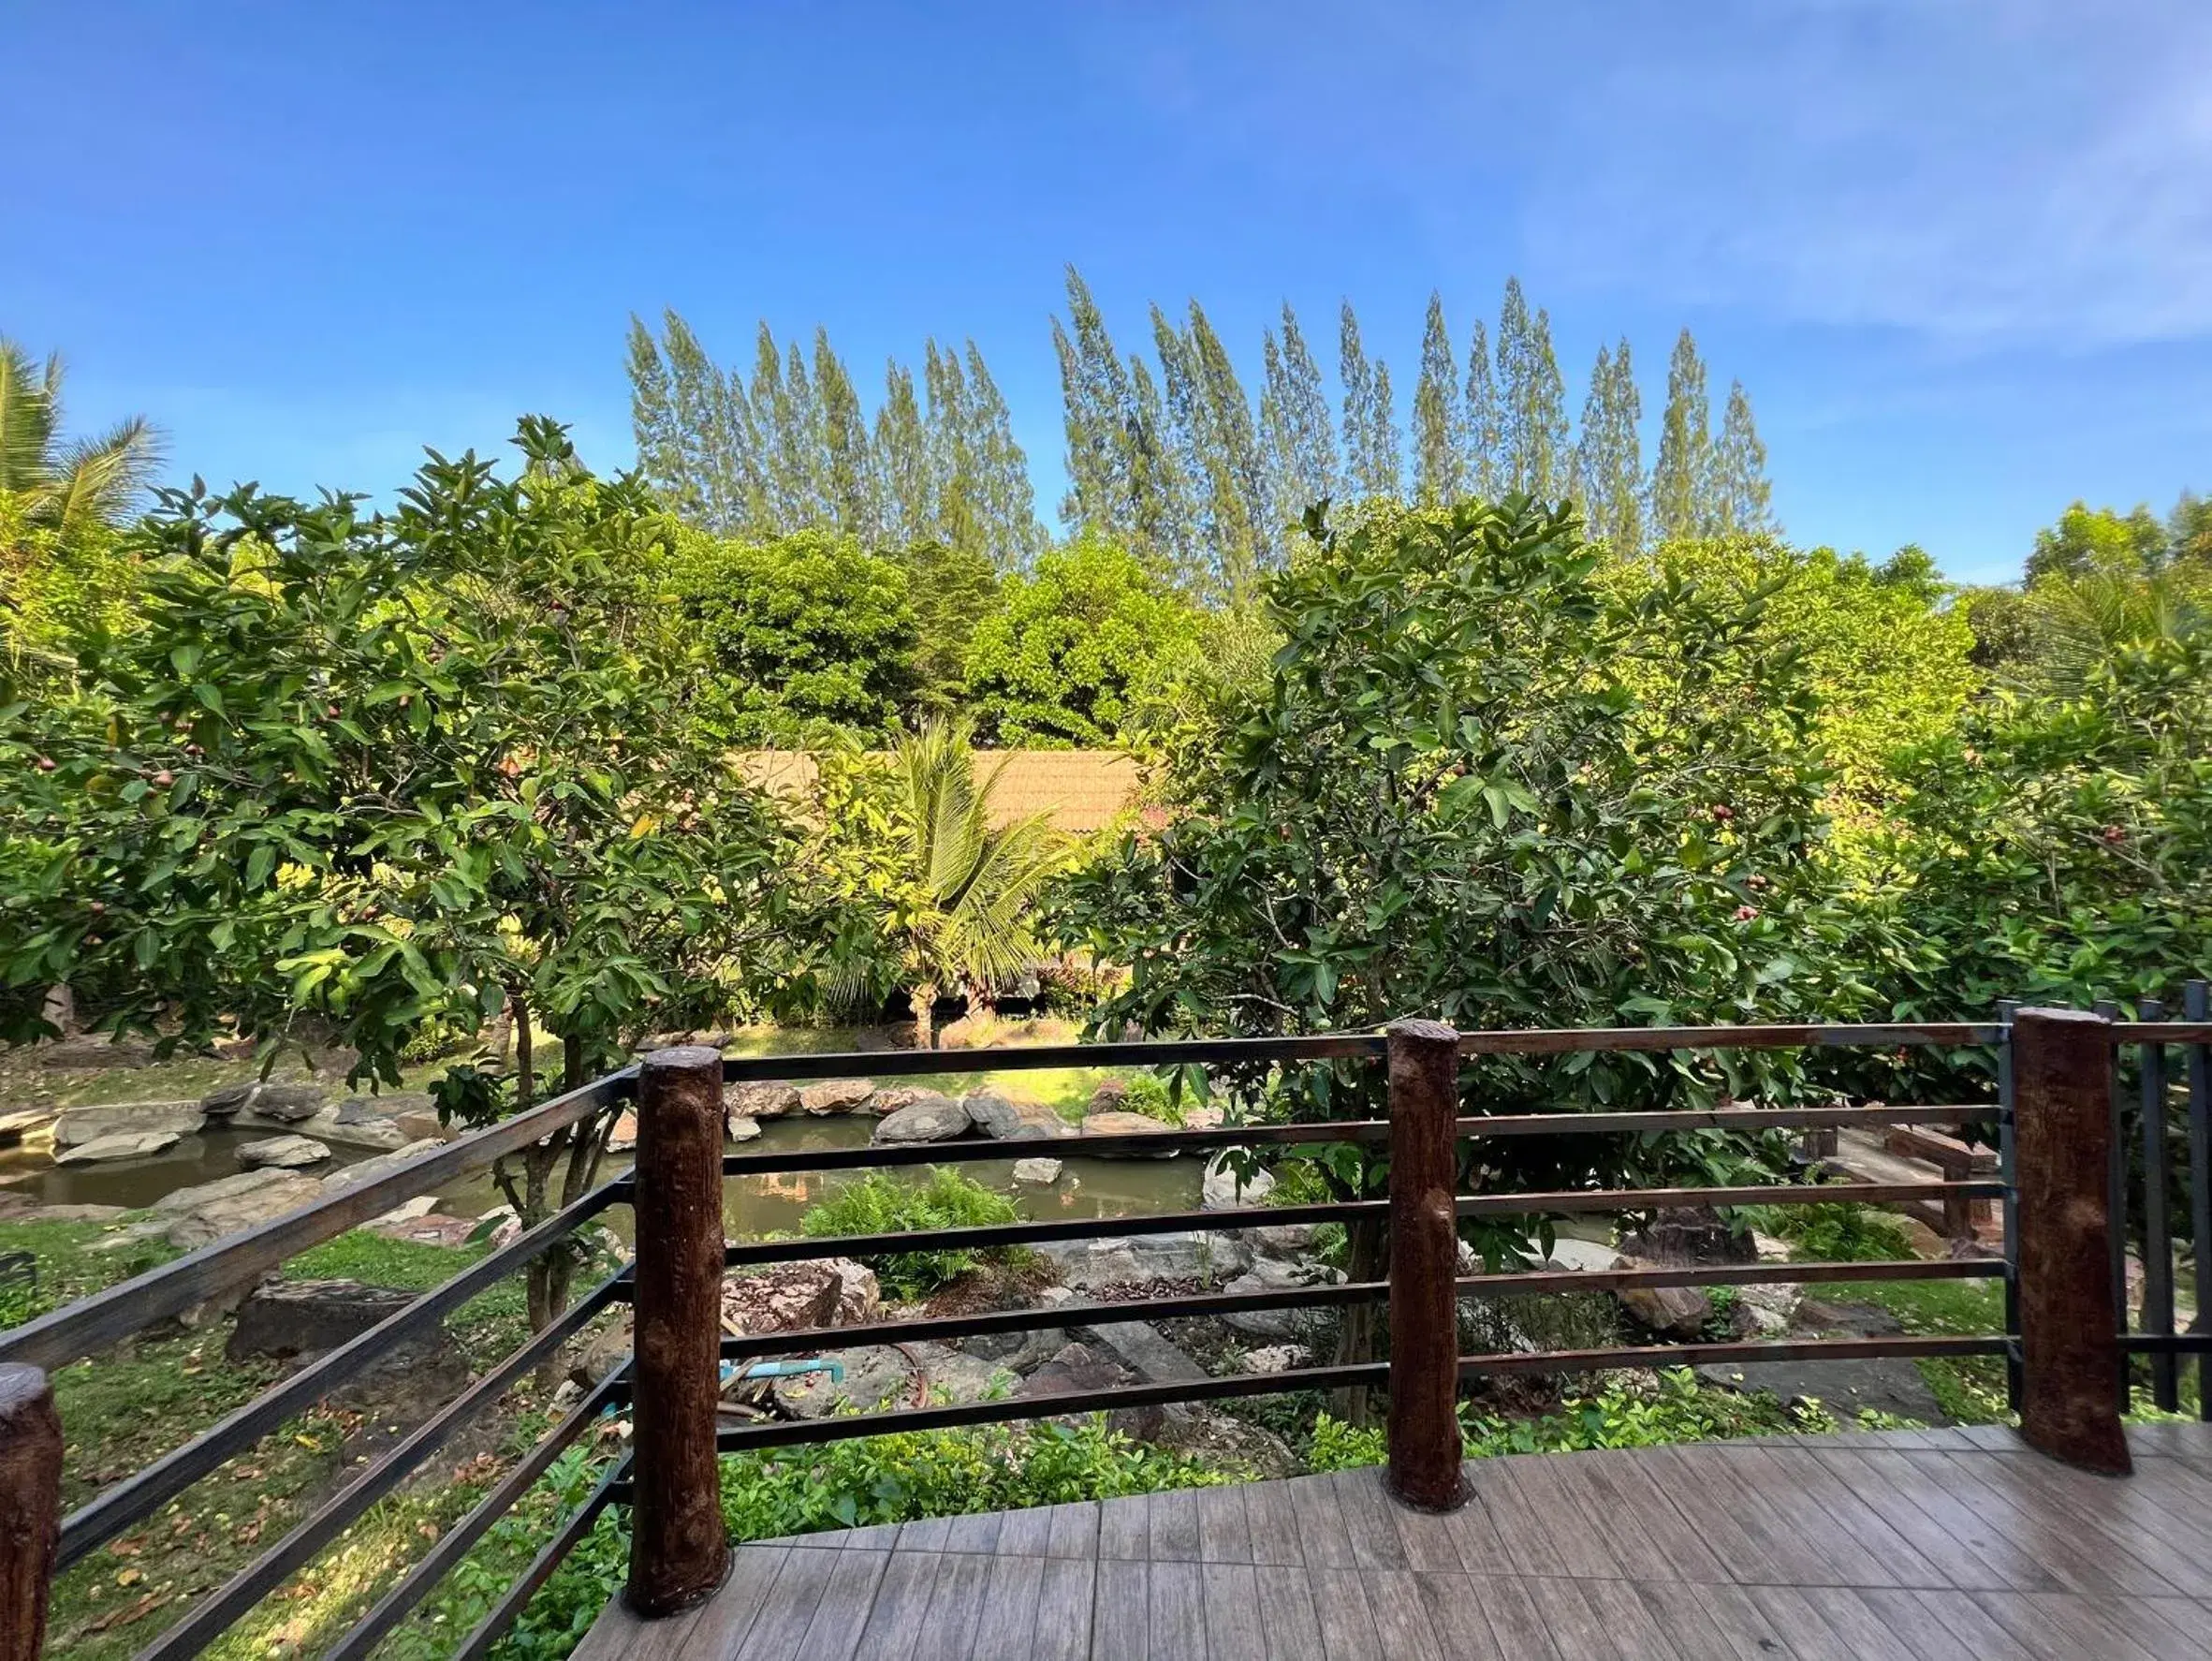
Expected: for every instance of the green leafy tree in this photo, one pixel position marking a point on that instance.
(1680, 476)
(1453, 797)
(914, 842)
(1484, 433)
(373, 773)
(1440, 438)
(902, 459)
(2099, 541)
(1126, 477)
(1297, 429)
(805, 630)
(1005, 501)
(1219, 450)
(1075, 647)
(1370, 429)
(952, 590)
(854, 493)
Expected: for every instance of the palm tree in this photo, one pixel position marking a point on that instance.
(2078, 623)
(66, 487)
(971, 887)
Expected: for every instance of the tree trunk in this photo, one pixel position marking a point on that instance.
(1355, 1332)
(923, 1002)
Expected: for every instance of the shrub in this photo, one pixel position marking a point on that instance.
(884, 1204)
(1837, 1233)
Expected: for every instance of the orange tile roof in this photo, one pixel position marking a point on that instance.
(1082, 790)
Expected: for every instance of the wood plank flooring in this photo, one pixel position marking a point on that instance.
(1902, 1545)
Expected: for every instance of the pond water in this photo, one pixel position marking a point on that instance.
(752, 1206)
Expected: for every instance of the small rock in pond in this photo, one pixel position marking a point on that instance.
(285, 1152)
(128, 1144)
(1037, 1170)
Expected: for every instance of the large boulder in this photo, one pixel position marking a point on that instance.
(1270, 1274)
(266, 1101)
(877, 1376)
(1007, 1121)
(1120, 1123)
(759, 1101)
(296, 1320)
(1140, 1346)
(286, 1153)
(123, 1144)
(18, 1123)
(1141, 1263)
(368, 1170)
(76, 1126)
(1669, 1312)
(1689, 1236)
(932, 1119)
(193, 1218)
(1076, 1368)
(95, 1049)
(1222, 1190)
(892, 1098)
(836, 1095)
(793, 1297)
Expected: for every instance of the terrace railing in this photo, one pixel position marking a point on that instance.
(2071, 1153)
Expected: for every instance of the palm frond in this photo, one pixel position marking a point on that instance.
(30, 414)
(100, 478)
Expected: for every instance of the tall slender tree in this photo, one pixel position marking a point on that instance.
(1302, 437)
(950, 441)
(1531, 400)
(652, 420)
(1250, 540)
(1739, 496)
(1371, 443)
(1680, 476)
(711, 466)
(1484, 434)
(850, 487)
(1006, 501)
(1608, 455)
(1162, 498)
(1440, 436)
(902, 460)
(1098, 403)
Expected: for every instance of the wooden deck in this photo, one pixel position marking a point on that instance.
(1922, 1546)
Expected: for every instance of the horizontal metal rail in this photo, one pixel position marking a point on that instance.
(134, 1498)
(555, 1552)
(207, 1619)
(1014, 1058)
(1700, 1355)
(1543, 1203)
(2162, 1032)
(91, 1324)
(396, 1604)
(948, 1328)
(2167, 1343)
(802, 1432)
(1167, 1141)
(1573, 1041)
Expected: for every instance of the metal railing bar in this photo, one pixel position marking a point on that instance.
(115, 1508)
(89, 1324)
(1576, 1040)
(1624, 1199)
(503, 1614)
(396, 1604)
(2195, 1030)
(802, 1432)
(1577, 1124)
(2158, 1242)
(207, 1620)
(2167, 1343)
(908, 1063)
(1005, 1234)
(2196, 1003)
(1698, 1355)
(945, 1328)
(2007, 1170)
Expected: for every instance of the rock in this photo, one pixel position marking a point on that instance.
(1222, 1192)
(76, 1126)
(1280, 1240)
(286, 1153)
(20, 1122)
(295, 1320)
(1140, 1346)
(622, 1139)
(1768, 1310)
(1583, 1256)
(836, 1095)
(1037, 1170)
(875, 1376)
(1008, 1120)
(949, 1375)
(264, 1099)
(123, 1144)
(95, 1049)
(1771, 1250)
(1689, 1235)
(1144, 1260)
(1111, 1096)
(1277, 1358)
(740, 1130)
(1075, 1368)
(1119, 1124)
(1670, 1311)
(1886, 1385)
(1847, 1320)
(1269, 1274)
(932, 1119)
(792, 1297)
(384, 1123)
(368, 1170)
(198, 1216)
(420, 1206)
(434, 1229)
(20, 1208)
(759, 1101)
(898, 1095)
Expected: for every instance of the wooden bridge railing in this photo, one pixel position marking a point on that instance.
(2066, 1150)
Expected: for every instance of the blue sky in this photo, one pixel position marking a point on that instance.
(1960, 251)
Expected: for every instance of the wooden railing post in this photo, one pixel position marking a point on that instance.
(1424, 1422)
(30, 1507)
(2063, 1146)
(678, 1550)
